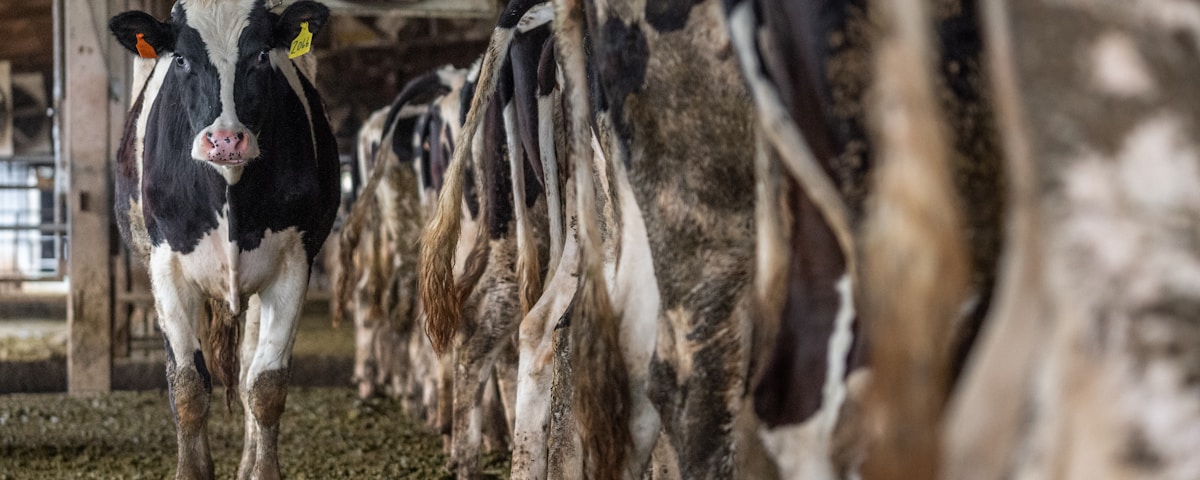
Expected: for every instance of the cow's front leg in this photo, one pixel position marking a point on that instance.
(188, 381)
(249, 346)
(267, 376)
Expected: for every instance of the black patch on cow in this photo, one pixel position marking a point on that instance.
(547, 68)
(622, 57)
(421, 148)
(404, 130)
(464, 98)
(669, 15)
(438, 156)
(504, 82)
(180, 196)
(596, 95)
(961, 46)
(290, 189)
(328, 166)
(202, 369)
(192, 77)
(514, 11)
(497, 176)
(525, 53)
(794, 55)
(418, 90)
(471, 192)
(790, 389)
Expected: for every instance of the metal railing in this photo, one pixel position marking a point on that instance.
(33, 227)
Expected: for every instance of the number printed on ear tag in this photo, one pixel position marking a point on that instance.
(303, 42)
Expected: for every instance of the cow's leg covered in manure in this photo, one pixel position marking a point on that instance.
(249, 345)
(266, 378)
(180, 308)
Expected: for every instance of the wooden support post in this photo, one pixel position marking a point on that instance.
(84, 138)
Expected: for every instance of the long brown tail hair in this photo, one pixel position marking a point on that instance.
(224, 337)
(439, 294)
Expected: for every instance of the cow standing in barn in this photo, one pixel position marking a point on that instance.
(227, 185)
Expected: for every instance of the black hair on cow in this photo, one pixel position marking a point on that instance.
(424, 86)
(127, 26)
(288, 26)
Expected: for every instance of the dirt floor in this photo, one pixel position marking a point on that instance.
(325, 434)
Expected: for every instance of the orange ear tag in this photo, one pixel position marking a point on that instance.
(144, 49)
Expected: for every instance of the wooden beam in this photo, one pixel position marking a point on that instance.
(85, 145)
(415, 8)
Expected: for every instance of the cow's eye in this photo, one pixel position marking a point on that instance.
(264, 56)
(182, 63)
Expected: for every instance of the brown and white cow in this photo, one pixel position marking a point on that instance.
(672, 348)
(227, 185)
(716, 266)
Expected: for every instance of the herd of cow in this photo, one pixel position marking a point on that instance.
(625, 231)
(637, 239)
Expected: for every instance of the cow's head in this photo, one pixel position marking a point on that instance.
(223, 53)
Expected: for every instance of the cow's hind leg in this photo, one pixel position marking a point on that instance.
(495, 313)
(267, 376)
(188, 380)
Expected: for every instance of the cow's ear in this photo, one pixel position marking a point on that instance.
(141, 33)
(287, 28)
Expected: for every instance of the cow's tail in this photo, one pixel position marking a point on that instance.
(602, 400)
(360, 217)
(439, 296)
(915, 260)
(365, 211)
(529, 277)
(224, 337)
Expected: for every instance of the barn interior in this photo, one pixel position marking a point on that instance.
(60, 68)
(880, 239)
(76, 314)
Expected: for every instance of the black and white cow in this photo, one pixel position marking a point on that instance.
(227, 185)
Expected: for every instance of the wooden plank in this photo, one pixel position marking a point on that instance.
(85, 145)
(121, 310)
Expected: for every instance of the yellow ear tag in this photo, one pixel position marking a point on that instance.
(303, 42)
(144, 49)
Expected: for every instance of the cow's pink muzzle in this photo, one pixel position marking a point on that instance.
(225, 147)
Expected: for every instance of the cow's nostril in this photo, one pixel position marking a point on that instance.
(241, 135)
(209, 134)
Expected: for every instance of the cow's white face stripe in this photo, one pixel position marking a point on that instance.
(220, 25)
